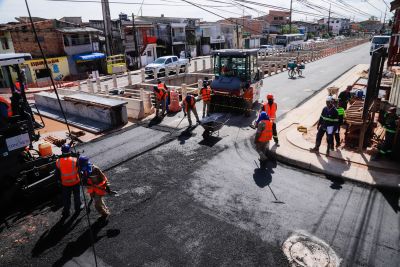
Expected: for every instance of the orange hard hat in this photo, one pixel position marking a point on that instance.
(270, 96)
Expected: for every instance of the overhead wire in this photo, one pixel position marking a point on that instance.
(125, 3)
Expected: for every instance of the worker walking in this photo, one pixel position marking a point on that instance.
(341, 117)
(161, 85)
(344, 97)
(263, 135)
(189, 105)
(67, 173)
(270, 108)
(205, 93)
(390, 123)
(327, 124)
(97, 185)
(248, 99)
(160, 99)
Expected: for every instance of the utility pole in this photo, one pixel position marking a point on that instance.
(105, 6)
(290, 16)
(237, 35)
(138, 57)
(329, 20)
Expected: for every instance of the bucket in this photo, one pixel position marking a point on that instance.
(45, 150)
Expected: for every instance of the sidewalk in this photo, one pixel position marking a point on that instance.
(350, 165)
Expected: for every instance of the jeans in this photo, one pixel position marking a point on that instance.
(192, 109)
(320, 134)
(274, 132)
(206, 108)
(261, 148)
(66, 193)
(160, 103)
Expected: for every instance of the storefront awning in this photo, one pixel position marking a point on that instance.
(88, 57)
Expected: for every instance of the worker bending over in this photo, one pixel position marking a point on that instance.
(189, 105)
(67, 173)
(270, 108)
(205, 93)
(160, 97)
(161, 85)
(263, 135)
(327, 124)
(390, 123)
(97, 185)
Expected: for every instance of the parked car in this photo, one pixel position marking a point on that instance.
(379, 41)
(166, 63)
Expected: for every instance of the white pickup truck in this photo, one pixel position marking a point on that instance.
(166, 63)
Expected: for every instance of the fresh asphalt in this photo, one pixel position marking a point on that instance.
(188, 202)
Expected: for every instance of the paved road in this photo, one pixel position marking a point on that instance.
(196, 203)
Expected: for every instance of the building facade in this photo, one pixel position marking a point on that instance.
(337, 26)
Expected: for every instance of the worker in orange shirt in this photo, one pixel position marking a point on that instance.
(160, 99)
(248, 98)
(160, 86)
(263, 135)
(205, 93)
(189, 105)
(67, 173)
(270, 108)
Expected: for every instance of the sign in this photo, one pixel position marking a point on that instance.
(35, 63)
(18, 141)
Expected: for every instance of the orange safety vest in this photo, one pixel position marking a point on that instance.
(161, 86)
(69, 171)
(192, 103)
(206, 94)
(271, 110)
(160, 95)
(98, 189)
(248, 94)
(266, 134)
(8, 103)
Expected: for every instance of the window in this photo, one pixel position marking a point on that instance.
(42, 73)
(168, 61)
(149, 53)
(337, 21)
(4, 43)
(82, 39)
(174, 59)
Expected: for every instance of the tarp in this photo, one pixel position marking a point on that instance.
(88, 57)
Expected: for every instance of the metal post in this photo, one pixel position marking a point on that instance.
(290, 17)
(142, 75)
(129, 78)
(114, 78)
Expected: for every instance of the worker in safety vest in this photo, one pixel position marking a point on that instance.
(161, 85)
(390, 123)
(205, 93)
(327, 124)
(341, 115)
(189, 105)
(68, 175)
(263, 135)
(5, 111)
(248, 98)
(270, 108)
(160, 97)
(97, 184)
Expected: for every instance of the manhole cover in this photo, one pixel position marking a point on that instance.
(303, 249)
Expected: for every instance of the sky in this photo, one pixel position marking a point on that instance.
(91, 9)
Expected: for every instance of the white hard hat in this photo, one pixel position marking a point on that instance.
(334, 98)
(329, 98)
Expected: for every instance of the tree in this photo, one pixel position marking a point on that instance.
(285, 29)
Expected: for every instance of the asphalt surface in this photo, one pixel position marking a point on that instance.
(191, 202)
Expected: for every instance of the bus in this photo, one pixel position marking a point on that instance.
(290, 40)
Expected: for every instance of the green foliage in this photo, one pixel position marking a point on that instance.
(285, 29)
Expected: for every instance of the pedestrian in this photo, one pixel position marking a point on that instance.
(160, 100)
(67, 174)
(189, 105)
(205, 93)
(161, 85)
(341, 116)
(326, 124)
(263, 135)
(97, 185)
(270, 108)
(390, 123)
(344, 97)
(248, 99)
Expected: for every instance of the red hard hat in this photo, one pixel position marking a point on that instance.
(270, 96)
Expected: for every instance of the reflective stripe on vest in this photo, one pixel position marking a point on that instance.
(160, 94)
(329, 119)
(340, 111)
(206, 94)
(389, 130)
(266, 134)
(98, 189)
(68, 170)
(271, 111)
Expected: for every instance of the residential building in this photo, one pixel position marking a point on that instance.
(250, 26)
(232, 34)
(116, 33)
(6, 46)
(212, 33)
(276, 20)
(370, 26)
(337, 26)
(310, 29)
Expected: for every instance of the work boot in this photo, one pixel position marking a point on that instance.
(327, 151)
(314, 150)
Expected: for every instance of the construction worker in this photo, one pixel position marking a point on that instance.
(327, 124)
(391, 121)
(263, 135)
(341, 115)
(270, 108)
(205, 93)
(248, 98)
(345, 96)
(161, 85)
(189, 105)
(67, 173)
(97, 184)
(160, 97)
(5, 111)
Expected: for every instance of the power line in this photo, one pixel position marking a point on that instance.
(126, 3)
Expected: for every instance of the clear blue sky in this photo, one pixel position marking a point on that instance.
(9, 9)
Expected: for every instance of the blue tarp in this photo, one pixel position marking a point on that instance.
(88, 57)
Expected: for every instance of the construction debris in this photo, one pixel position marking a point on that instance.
(55, 141)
